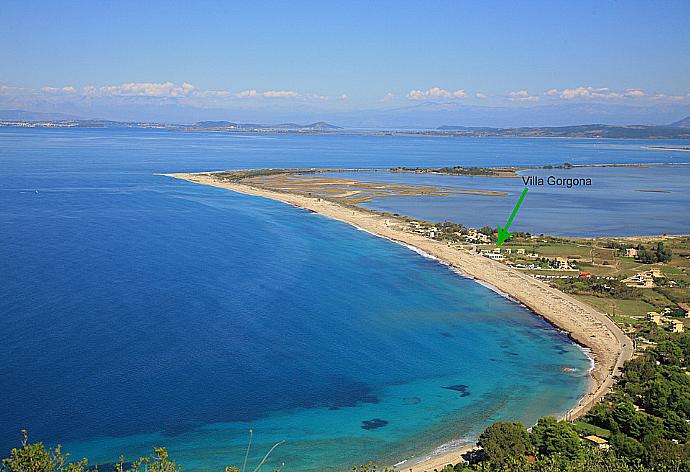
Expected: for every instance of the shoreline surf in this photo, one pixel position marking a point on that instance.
(450, 451)
(608, 345)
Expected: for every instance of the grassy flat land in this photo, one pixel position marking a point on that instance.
(587, 429)
(551, 249)
(605, 259)
(631, 308)
(312, 182)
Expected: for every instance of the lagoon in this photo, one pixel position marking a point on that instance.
(621, 201)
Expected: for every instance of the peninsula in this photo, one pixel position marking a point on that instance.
(609, 346)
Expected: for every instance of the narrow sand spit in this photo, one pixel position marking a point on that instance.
(609, 346)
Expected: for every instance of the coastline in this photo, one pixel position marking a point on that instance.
(424, 133)
(665, 148)
(608, 345)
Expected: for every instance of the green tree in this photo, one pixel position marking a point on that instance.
(627, 446)
(550, 436)
(646, 256)
(37, 458)
(461, 467)
(665, 456)
(663, 254)
(371, 467)
(486, 230)
(676, 427)
(503, 441)
(157, 462)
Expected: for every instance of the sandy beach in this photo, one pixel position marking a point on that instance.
(665, 148)
(608, 345)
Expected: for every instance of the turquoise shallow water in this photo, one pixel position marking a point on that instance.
(140, 310)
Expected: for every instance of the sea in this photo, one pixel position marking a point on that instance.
(139, 311)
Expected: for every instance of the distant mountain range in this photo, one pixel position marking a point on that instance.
(23, 115)
(57, 120)
(397, 115)
(429, 115)
(677, 130)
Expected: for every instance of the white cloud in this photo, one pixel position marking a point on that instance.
(142, 89)
(268, 94)
(522, 96)
(65, 89)
(581, 92)
(90, 91)
(171, 90)
(280, 94)
(10, 91)
(246, 93)
(634, 93)
(668, 98)
(415, 95)
(212, 93)
(390, 96)
(303, 96)
(435, 93)
(596, 93)
(189, 94)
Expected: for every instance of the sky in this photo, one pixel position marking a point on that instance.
(262, 59)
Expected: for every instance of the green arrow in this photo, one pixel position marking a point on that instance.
(503, 233)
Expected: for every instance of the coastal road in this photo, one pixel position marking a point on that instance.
(627, 350)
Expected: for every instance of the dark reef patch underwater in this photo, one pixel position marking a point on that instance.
(463, 389)
(374, 424)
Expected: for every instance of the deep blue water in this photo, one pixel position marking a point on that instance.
(138, 310)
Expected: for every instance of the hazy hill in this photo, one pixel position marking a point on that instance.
(580, 131)
(684, 123)
(322, 125)
(23, 115)
(677, 130)
(432, 114)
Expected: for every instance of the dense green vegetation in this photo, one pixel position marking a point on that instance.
(38, 458)
(449, 231)
(565, 165)
(651, 256)
(237, 175)
(600, 287)
(645, 420)
(457, 170)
